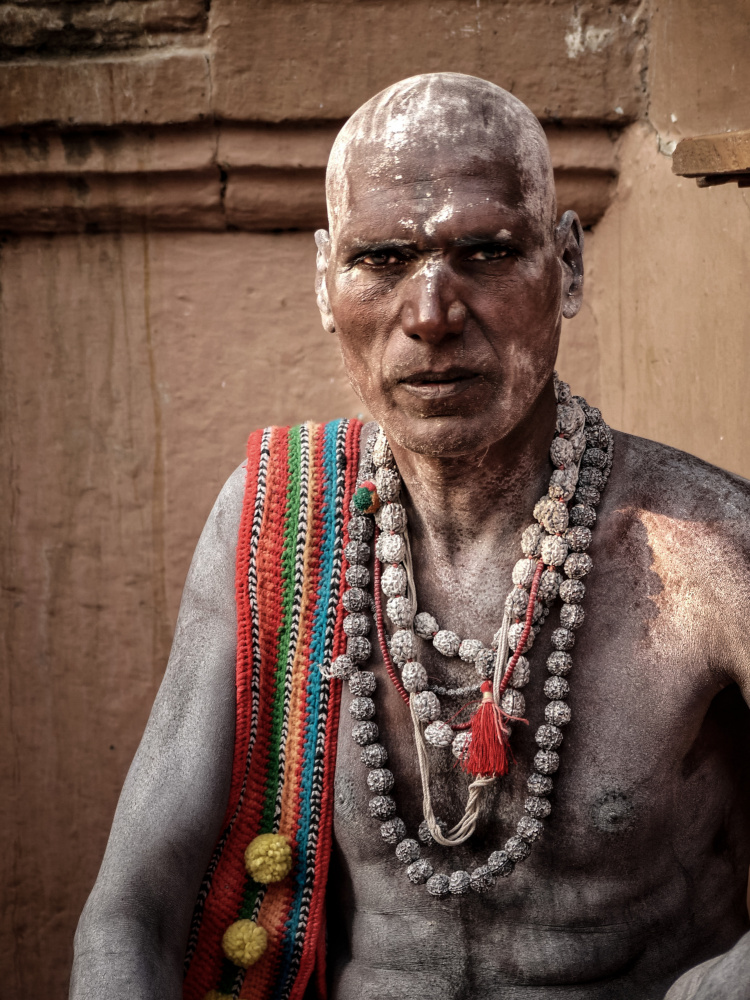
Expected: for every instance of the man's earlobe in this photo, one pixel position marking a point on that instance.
(323, 243)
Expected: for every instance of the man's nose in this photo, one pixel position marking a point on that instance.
(432, 309)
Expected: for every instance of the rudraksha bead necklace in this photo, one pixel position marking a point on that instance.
(554, 563)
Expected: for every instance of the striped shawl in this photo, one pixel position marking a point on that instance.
(290, 567)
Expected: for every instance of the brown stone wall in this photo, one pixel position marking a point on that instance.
(149, 318)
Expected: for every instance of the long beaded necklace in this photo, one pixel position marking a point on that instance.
(554, 563)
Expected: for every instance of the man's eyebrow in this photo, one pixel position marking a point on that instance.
(359, 247)
(501, 237)
(377, 246)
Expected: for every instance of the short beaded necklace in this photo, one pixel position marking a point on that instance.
(554, 563)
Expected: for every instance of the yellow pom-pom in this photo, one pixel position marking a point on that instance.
(268, 858)
(215, 995)
(244, 942)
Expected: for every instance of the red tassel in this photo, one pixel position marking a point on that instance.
(489, 751)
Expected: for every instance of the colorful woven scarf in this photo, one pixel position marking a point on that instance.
(290, 575)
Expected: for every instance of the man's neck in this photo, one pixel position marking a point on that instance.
(453, 501)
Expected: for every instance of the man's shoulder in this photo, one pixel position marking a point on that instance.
(653, 474)
(682, 497)
(684, 524)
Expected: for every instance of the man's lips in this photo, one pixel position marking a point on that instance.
(434, 384)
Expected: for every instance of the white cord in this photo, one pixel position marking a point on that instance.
(501, 657)
(467, 824)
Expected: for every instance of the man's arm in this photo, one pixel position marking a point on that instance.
(131, 937)
(726, 977)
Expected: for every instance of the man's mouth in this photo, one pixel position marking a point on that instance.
(435, 384)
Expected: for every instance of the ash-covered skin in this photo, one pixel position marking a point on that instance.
(446, 279)
(441, 200)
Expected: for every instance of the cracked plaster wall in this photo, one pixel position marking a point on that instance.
(134, 365)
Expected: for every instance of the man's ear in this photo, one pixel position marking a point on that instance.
(569, 241)
(323, 243)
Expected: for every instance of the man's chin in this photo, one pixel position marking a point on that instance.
(444, 435)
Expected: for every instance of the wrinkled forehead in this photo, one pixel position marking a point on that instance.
(438, 125)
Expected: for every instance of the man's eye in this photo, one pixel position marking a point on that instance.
(490, 253)
(379, 259)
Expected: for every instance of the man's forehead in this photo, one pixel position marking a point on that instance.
(469, 199)
(427, 161)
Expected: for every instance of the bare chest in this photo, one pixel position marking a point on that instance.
(647, 766)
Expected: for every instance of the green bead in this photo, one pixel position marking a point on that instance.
(363, 499)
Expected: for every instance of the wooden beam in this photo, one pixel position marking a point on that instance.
(714, 159)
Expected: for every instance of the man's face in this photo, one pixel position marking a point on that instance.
(445, 288)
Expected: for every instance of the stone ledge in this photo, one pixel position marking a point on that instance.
(714, 159)
(55, 203)
(50, 29)
(152, 88)
(251, 177)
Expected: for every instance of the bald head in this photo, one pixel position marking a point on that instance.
(443, 122)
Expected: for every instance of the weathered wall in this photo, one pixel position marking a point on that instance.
(665, 334)
(133, 368)
(136, 359)
(664, 337)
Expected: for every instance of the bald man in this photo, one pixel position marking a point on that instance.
(445, 277)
